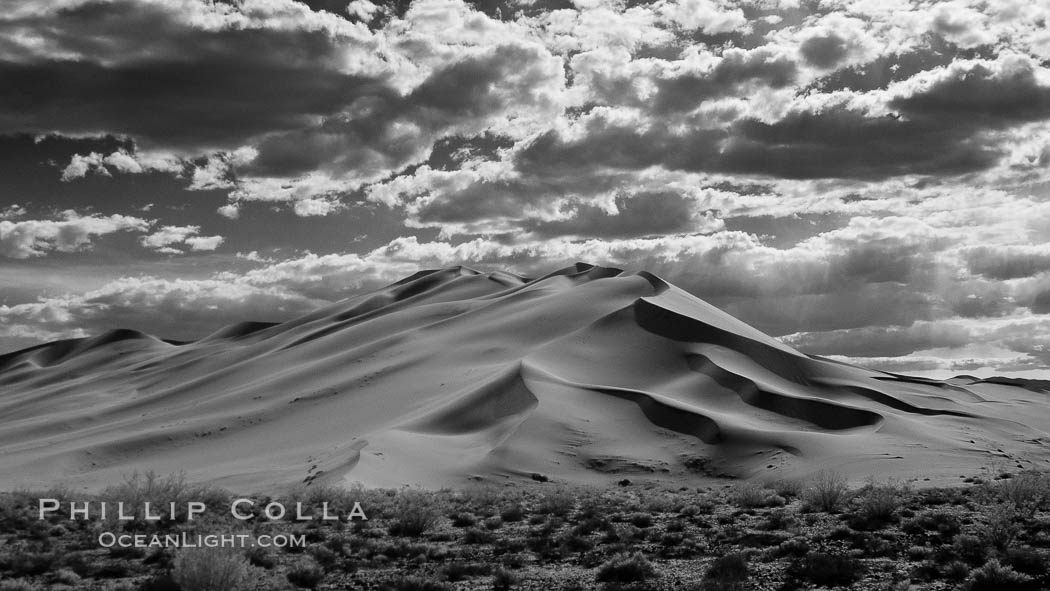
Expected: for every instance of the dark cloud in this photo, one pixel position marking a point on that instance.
(1041, 303)
(981, 97)
(611, 145)
(824, 51)
(449, 153)
(979, 299)
(371, 136)
(786, 231)
(641, 214)
(882, 341)
(885, 69)
(835, 143)
(844, 143)
(484, 200)
(736, 68)
(147, 75)
(1007, 263)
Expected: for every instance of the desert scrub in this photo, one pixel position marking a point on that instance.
(210, 569)
(993, 576)
(559, 503)
(829, 570)
(1001, 526)
(749, 495)
(503, 579)
(626, 568)
(305, 573)
(726, 573)
(941, 524)
(160, 491)
(827, 492)
(1028, 492)
(415, 514)
(414, 584)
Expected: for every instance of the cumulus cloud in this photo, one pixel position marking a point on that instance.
(34, 238)
(122, 161)
(190, 75)
(169, 239)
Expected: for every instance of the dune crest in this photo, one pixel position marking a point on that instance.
(586, 374)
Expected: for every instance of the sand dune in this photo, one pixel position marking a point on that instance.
(587, 374)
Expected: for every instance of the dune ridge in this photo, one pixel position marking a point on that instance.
(448, 376)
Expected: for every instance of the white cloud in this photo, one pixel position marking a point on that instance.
(204, 243)
(122, 161)
(316, 207)
(230, 210)
(168, 238)
(33, 238)
(81, 164)
(703, 15)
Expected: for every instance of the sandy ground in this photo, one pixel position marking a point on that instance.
(586, 375)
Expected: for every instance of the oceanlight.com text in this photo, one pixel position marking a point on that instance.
(188, 540)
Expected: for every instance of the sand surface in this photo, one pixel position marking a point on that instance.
(586, 375)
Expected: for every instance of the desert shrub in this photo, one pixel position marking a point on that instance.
(503, 580)
(830, 570)
(789, 488)
(65, 576)
(1001, 526)
(415, 584)
(476, 535)
(877, 506)
(779, 519)
(513, 514)
(827, 491)
(161, 582)
(792, 547)
(956, 571)
(117, 570)
(126, 552)
(749, 495)
(27, 564)
(457, 571)
(259, 556)
(493, 523)
(942, 523)
(726, 573)
(558, 503)
(209, 569)
(16, 585)
(324, 556)
(970, 549)
(305, 573)
(159, 491)
(917, 553)
(642, 520)
(1027, 561)
(995, 577)
(160, 557)
(464, 520)
(926, 571)
(574, 542)
(415, 515)
(1028, 492)
(626, 568)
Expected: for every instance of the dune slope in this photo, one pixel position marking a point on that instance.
(588, 374)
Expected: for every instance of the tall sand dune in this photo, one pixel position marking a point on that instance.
(588, 374)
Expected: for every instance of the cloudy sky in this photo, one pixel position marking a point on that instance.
(861, 178)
